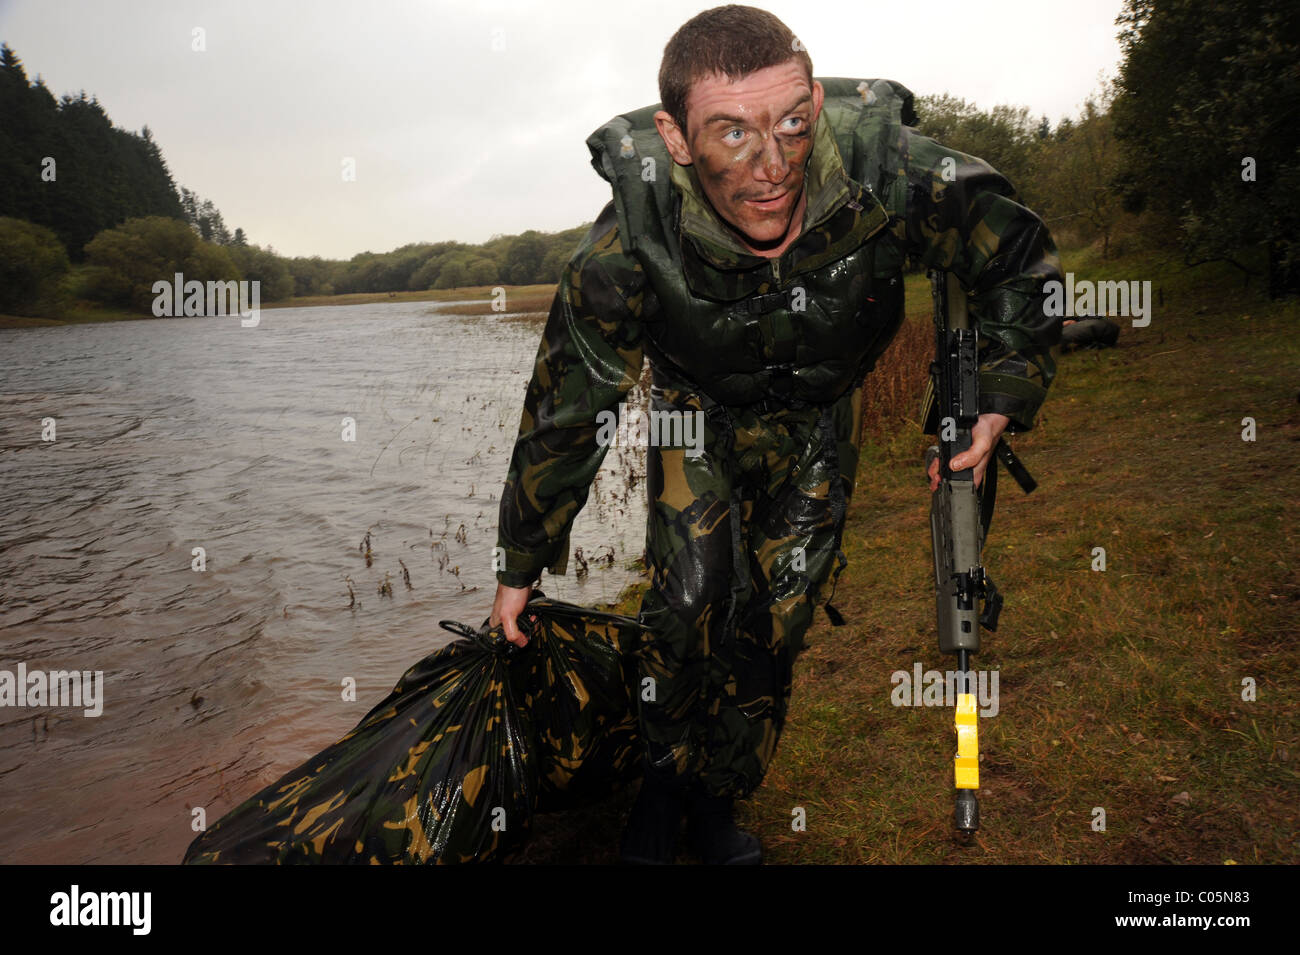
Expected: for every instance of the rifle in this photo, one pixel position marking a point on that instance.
(960, 515)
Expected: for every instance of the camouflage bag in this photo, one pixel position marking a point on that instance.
(576, 679)
(1089, 333)
(451, 766)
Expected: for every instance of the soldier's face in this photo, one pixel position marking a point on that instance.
(749, 140)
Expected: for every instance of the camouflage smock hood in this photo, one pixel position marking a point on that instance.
(804, 326)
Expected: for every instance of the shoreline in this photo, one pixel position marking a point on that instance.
(467, 298)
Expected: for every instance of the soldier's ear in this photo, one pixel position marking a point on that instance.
(673, 138)
(819, 96)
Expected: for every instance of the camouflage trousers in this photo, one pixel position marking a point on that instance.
(740, 540)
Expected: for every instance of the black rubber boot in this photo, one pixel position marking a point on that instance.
(711, 832)
(650, 837)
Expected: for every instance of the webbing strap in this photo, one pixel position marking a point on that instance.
(839, 509)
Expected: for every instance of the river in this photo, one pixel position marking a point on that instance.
(177, 434)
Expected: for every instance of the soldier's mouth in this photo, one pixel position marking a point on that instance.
(770, 203)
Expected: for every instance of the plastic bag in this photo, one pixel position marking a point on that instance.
(577, 680)
(451, 766)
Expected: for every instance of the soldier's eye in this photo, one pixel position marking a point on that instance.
(739, 134)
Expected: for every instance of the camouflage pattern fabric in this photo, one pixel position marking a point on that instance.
(574, 681)
(718, 655)
(451, 766)
(589, 358)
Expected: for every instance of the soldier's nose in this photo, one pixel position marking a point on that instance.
(772, 165)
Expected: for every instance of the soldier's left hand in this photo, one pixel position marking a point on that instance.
(988, 428)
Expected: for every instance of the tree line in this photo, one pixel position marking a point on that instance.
(1194, 145)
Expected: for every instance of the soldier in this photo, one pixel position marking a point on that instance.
(753, 252)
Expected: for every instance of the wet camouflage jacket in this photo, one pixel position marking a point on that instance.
(659, 276)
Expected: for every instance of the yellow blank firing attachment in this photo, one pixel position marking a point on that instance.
(967, 765)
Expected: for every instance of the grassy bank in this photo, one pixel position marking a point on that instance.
(80, 314)
(474, 300)
(1119, 690)
(470, 294)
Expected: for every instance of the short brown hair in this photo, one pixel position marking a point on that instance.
(731, 41)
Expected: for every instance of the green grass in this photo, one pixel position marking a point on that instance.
(82, 313)
(482, 293)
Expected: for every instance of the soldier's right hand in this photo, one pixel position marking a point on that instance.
(509, 604)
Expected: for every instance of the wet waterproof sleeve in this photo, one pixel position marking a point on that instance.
(963, 216)
(589, 358)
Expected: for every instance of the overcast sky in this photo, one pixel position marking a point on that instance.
(469, 119)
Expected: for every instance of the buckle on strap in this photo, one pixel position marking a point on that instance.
(762, 304)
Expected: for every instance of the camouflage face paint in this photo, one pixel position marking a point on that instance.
(750, 141)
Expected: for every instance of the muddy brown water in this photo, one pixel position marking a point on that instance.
(176, 434)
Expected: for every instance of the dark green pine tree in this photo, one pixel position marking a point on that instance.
(65, 166)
